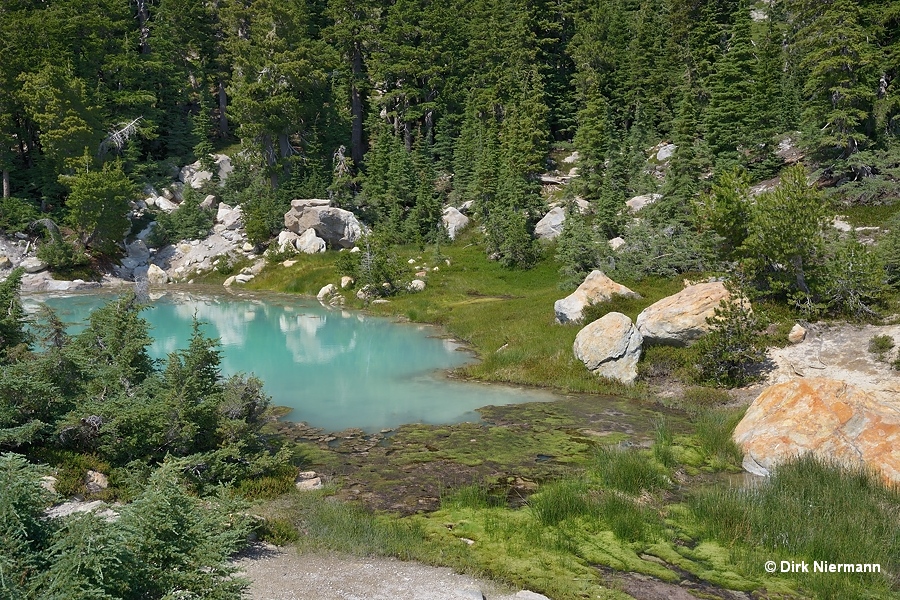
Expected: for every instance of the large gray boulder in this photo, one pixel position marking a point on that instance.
(453, 221)
(610, 347)
(551, 226)
(680, 319)
(338, 227)
(595, 288)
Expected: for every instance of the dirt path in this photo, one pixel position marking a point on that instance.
(283, 574)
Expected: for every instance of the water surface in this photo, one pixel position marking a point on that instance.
(335, 369)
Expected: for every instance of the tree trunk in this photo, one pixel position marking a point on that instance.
(797, 263)
(356, 108)
(143, 16)
(6, 183)
(284, 146)
(223, 111)
(269, 151)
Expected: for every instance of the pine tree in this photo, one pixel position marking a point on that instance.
(836, 59)
(729, 118)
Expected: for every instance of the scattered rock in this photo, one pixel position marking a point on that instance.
(797, 334)
(165, 205)
(229, 282)
(309, 242)
(95, 481)
(33, 264)
(666, 152)
(551, 226)
(454, 221)
(610, 347)
(841, 225)
(830, 418)
(616, 243)
(308, 480)
(156, 276)
(243, 278)
(287, 241)
(336, 226)
(466, 206)
(346, 281)
(572, 158)
(638, 202)
(209, 202)
(595, 288)
(232, 218)
(289, 263)
(416, 285)
(98, 507)
(248, 247)
(326, 292)
(5, 263)
(681, 318)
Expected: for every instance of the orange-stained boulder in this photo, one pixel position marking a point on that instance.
(680, 319)
(830, 418)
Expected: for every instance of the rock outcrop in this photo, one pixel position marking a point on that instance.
(830, 418)
(453, 221)
(610, 347)
(680, 319)
(338, 227)
(595, 288)
(551, 226)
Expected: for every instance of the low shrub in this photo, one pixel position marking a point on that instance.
(880, 345)
(280, 532)
(731, 353)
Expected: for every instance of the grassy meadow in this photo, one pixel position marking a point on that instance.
(671, 503)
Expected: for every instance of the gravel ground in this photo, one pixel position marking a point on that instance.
(284, 574)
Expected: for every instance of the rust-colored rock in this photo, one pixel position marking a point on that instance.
(830, 418)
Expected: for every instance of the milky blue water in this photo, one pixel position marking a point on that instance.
(335, 369)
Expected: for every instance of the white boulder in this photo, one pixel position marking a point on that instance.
(156, 276)
(33, 264)
(595, 288)
(287, 241)
(610, 347)
(309, 242)
(551, 226)
(453, 221)
(638, 202)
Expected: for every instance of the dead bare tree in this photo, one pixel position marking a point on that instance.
(117, 138)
